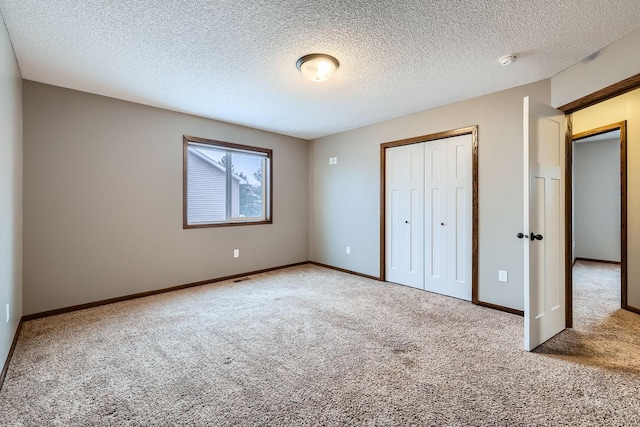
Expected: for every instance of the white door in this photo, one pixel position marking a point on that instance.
(405, 213)
(544, 294)
(448, 219)
(435, 182)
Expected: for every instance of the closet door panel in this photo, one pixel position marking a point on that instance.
(448, 189)
(405, 213)
(459, 190)
(436, 216)
(429, 216)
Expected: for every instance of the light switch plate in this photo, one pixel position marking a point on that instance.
(502, 276)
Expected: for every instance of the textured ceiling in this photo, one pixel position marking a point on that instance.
(235, 60)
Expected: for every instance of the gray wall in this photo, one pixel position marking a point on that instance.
(103, 201)
(345, 198)
(10, 193)
(610, 65)
(103, 191)
(596, 168)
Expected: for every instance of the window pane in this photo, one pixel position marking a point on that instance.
(247, 186)
(226, 183)
(207, 192)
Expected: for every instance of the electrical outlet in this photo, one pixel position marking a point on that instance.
(348, 250)
(8, 313)
(502, 276)
(236, 253)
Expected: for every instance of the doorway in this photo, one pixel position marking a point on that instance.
(592, 213)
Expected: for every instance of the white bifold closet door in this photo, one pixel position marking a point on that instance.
(448, 222)
(444, 240)
(405, 215)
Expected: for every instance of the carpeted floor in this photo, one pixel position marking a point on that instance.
(603, 335)
(311, 346)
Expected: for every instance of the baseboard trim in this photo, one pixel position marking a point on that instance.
(631, 309)
(5, 368)
(596, 260)
(342, 270)
(500, 308)
(481, 303)
(150, 293)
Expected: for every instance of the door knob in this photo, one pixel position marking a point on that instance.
(536, 237)
(521, 235)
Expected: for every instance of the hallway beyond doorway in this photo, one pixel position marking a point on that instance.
(603, 334)
(596, 292)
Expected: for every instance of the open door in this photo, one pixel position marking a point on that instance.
(544, 293)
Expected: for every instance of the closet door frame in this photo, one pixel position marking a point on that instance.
(470, 130)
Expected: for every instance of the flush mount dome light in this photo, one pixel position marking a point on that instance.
(317, 67)
(507, 60)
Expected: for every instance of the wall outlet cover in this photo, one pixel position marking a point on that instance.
(502, 276)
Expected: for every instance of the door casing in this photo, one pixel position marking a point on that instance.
(604, 94)
(622, 126)
(470, 130)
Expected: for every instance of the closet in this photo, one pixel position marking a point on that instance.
(428, 211)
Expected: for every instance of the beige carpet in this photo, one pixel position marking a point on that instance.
(603, 335)
(311, 346)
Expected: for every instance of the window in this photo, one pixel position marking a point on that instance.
(225, 184)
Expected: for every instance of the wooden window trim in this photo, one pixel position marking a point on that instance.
(186, 139)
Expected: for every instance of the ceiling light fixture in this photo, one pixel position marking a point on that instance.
(507, 59)
(317, 67)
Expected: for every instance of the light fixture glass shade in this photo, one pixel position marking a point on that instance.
(507, 60)
(317, 67)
